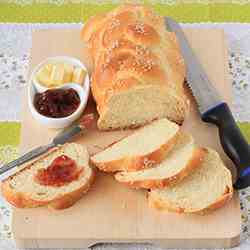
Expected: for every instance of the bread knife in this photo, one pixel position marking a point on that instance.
(63, 137)
(213, 109)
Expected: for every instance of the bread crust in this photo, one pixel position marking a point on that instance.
(22, 200)
(228, 194)
(122, 46)
(70, 199)
(88, 30)
(194, 162)
(140, 162)
(17, 199)
(156, 202)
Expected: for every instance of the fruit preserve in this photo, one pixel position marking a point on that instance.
(57, 103)
(62, 171)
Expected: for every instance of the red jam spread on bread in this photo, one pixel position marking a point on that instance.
(62, 171)
(57, 103)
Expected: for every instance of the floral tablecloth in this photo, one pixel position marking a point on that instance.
(16, 41)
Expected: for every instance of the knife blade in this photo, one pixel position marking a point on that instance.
(213, 108)
(205, 94)
(61, 138)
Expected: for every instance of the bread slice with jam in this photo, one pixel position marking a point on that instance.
(57, 179)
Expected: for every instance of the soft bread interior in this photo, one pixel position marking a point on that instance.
(139, 71)
(141, 142)
(176, 160)
(138, 106)
(202, 188)
(23, 182)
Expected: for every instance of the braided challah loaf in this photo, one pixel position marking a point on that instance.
(138, 69)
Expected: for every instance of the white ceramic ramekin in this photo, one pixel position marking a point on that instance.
(83, 92)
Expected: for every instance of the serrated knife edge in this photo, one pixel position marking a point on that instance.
(205, 94)
(214, 110)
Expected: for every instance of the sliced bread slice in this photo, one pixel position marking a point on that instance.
(180, 161)
(23, 190)
(143, 149)
(207, 188)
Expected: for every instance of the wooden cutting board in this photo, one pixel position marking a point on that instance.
(111, 212)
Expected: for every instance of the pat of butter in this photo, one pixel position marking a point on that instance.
(78, 75)
(68, 72)
(43, 76)
(48, 67)
(57, 74)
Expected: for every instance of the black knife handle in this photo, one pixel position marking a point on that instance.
(232, 141)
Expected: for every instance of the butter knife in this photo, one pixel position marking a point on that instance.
(213, 109)
(63, 137)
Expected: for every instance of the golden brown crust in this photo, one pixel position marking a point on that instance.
(70, 199)
(19, 200)
(220, 202)
(130, 48)
(94, 21)
(22, 200)
(197, 158)
(158, 203)
(136, 163)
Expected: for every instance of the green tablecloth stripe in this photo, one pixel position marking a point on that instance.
(9, 142)
(78, 12)
(10, 132)
(245, 128)
(41, 13)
